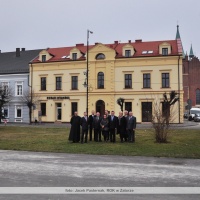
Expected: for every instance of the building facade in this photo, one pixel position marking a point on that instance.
(140, 72)
(14, 76)
(191, 81)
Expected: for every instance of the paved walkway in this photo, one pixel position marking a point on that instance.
(186, 124)
(30, 169)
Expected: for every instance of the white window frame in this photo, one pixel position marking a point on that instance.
(6, 108)
(18, 83)
(16, 107)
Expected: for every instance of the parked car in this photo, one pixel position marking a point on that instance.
(197, 117)
(193, 111)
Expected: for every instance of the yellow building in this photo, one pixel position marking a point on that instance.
(140, 72)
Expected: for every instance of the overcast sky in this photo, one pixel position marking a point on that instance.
(35, 24)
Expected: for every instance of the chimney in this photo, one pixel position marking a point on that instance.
(80, 45)
(129, 41)
(139, 40)
(17, 52)
(116, 42)
(23, 49)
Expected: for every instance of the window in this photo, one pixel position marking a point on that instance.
(5, 113)
(100, 79)
(164, 51)
(74, 56)
(43, 109)
(74, 82)
(19, 88)
(58, 83)
(4, 86)
(165, 80)
(128, 80)
(127, 53)
(74, 107)
(128, 106)
(43, 83)
(100, 56)
(146, 80)
(18, 112)
(43, 58)
(198, 96)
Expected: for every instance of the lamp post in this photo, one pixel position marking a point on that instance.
(86, 84)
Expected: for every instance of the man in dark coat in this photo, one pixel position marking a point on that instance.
(112, 126)
(126, 133)
(97, 128)
(84, 124)
(121, 126)
(107, 114)
(130, 127)
(91, 118)
(75, 122)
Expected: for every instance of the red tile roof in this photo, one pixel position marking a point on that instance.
(138, 46)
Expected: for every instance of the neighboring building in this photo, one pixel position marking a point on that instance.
(191, 80)
(14, 74)
(140, 72)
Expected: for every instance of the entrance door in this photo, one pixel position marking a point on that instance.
(59, 112)
(100, 107)
(146, 111)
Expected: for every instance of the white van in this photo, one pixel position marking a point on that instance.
(192, 113)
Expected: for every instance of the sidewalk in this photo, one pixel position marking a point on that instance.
(64, 125)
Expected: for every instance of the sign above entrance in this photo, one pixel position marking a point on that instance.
(60, 98)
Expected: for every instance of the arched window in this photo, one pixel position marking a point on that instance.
(100, 78)
(100, 56)
(198, 96)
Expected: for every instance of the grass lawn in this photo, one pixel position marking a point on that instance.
(182, 143)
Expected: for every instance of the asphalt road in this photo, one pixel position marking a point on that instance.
(30, 169)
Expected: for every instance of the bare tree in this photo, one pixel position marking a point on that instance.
(6, 95)
(161, 118)
(30, 99)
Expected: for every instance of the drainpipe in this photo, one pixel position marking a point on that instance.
(179, 89)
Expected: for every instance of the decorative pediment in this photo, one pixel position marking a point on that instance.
(101, 52)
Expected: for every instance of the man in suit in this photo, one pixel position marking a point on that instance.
(112, 126)
(107, 114)
(130, 127)
(84, 124)
(91, 118)
(97, 128)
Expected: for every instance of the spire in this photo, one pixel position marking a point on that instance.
(191, 55)
(177, 33)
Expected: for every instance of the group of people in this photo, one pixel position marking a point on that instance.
(107, 126)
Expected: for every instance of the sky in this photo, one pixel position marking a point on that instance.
(38, 24)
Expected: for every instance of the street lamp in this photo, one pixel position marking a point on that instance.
(86, 83)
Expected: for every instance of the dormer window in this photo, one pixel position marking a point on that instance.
(127, 53)
(43, 58)
(74, 56)
(100, 56)
(164, 51)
